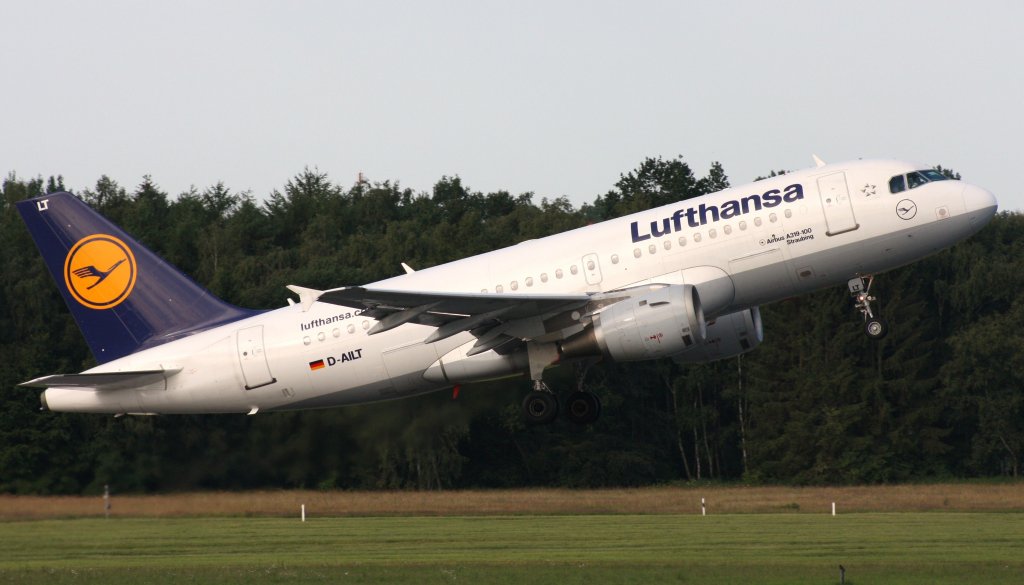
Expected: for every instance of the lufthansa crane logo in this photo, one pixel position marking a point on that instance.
(100, 271)
(906, 209)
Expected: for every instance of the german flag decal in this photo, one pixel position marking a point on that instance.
(317, 365)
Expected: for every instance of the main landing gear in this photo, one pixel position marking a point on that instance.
(874, 327)
(582, 407)
(541, 406)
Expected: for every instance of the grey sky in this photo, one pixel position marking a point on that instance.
(557, 98)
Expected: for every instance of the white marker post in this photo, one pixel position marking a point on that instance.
(833, 508)
(703, 508)
(303, 512)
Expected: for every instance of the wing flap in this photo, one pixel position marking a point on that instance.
(450, 312)
(512, 306)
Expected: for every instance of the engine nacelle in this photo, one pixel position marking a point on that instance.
(729, 335)
(659, 323)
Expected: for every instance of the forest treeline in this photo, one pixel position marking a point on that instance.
(816, 403)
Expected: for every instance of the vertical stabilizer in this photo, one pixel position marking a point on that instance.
(123, 296)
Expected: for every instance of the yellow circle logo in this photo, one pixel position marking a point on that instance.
(100, 271)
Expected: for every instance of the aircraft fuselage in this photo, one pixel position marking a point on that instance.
(741, 247)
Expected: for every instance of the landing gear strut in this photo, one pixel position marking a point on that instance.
(582, 407)
(874, 327)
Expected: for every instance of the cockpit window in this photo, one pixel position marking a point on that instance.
(897, 184)
(934, 175)
(915, 179)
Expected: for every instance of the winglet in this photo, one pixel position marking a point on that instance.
(407, 268)
(817, 161)
(307, 296)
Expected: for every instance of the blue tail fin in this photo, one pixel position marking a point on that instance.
(124, 297)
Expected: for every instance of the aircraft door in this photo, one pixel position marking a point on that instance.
(836, 204)
(592, 269)
(253, 359)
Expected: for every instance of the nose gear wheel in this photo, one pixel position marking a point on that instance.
(874, 327)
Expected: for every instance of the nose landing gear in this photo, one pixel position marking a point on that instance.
(874, 327)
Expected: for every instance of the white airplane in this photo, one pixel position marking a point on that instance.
(681, 281)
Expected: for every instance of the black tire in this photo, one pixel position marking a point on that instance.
(540, 408)
(876, 328)
(582, 408)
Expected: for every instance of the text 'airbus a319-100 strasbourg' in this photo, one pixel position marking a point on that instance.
(682, 281)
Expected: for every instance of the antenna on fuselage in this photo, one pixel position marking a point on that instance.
(817, 161)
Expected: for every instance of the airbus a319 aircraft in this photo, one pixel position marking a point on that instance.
(683, 281)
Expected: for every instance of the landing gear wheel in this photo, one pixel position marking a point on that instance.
(582, 408)
(540, 407)
(876, 328)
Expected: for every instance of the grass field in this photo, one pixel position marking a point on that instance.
(558, 547)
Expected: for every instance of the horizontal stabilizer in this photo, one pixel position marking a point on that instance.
(101, 380)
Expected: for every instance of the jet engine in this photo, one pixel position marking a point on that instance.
(729, 335)
(658, 323)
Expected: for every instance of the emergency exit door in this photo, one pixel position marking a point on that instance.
(592, 269)
(837, 204)
(253, 358)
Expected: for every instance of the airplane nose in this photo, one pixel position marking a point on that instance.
(980, 205)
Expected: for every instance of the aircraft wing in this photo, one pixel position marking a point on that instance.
(451, 313)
